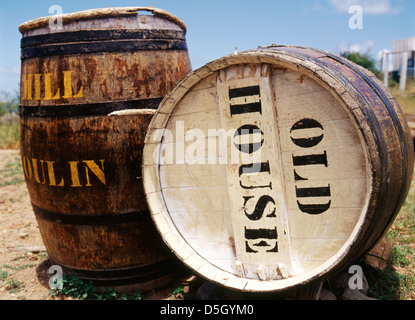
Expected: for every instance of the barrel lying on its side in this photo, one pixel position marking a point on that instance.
(269, 169)
(90, 87)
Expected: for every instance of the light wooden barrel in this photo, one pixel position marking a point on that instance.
(270, 169)
(88, 93)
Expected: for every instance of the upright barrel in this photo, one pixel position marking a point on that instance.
(90, 84)
(273, 168)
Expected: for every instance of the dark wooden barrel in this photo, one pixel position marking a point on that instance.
(270, 169)
(88, 92)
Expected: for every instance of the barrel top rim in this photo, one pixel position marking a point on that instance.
(100, 14)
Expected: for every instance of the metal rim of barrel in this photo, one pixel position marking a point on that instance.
(101, 13)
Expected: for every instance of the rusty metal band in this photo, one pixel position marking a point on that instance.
(125, 276)
(102, 46)
(99, 35)
(84, 110)
(91, 220)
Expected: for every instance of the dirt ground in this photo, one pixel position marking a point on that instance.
(23, 259)
(18, 230)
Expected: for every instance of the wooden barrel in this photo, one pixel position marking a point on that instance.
(89, 89)
(274, 168)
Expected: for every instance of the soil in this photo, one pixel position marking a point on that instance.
(24, 262)
(18, 229)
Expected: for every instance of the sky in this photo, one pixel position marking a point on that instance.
(216, 27)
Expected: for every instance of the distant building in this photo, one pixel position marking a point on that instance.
(399, 47)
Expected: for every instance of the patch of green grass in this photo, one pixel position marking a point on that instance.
(383, 285)
(396, 282)
(178, 294)
(79, 289)
(402, 256)
(17, 268)
(3, 275)
(14, 286)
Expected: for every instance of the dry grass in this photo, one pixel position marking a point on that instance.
(402, 237)
(9, 134)
(406, 100)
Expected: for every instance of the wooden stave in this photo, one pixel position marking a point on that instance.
(121, 221)
(270, 55)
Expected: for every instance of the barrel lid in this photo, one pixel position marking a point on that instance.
(100, 14)
(289, 206)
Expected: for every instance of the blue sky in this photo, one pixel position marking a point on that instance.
(216, 27)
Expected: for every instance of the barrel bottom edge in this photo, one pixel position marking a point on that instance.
(128, 280)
